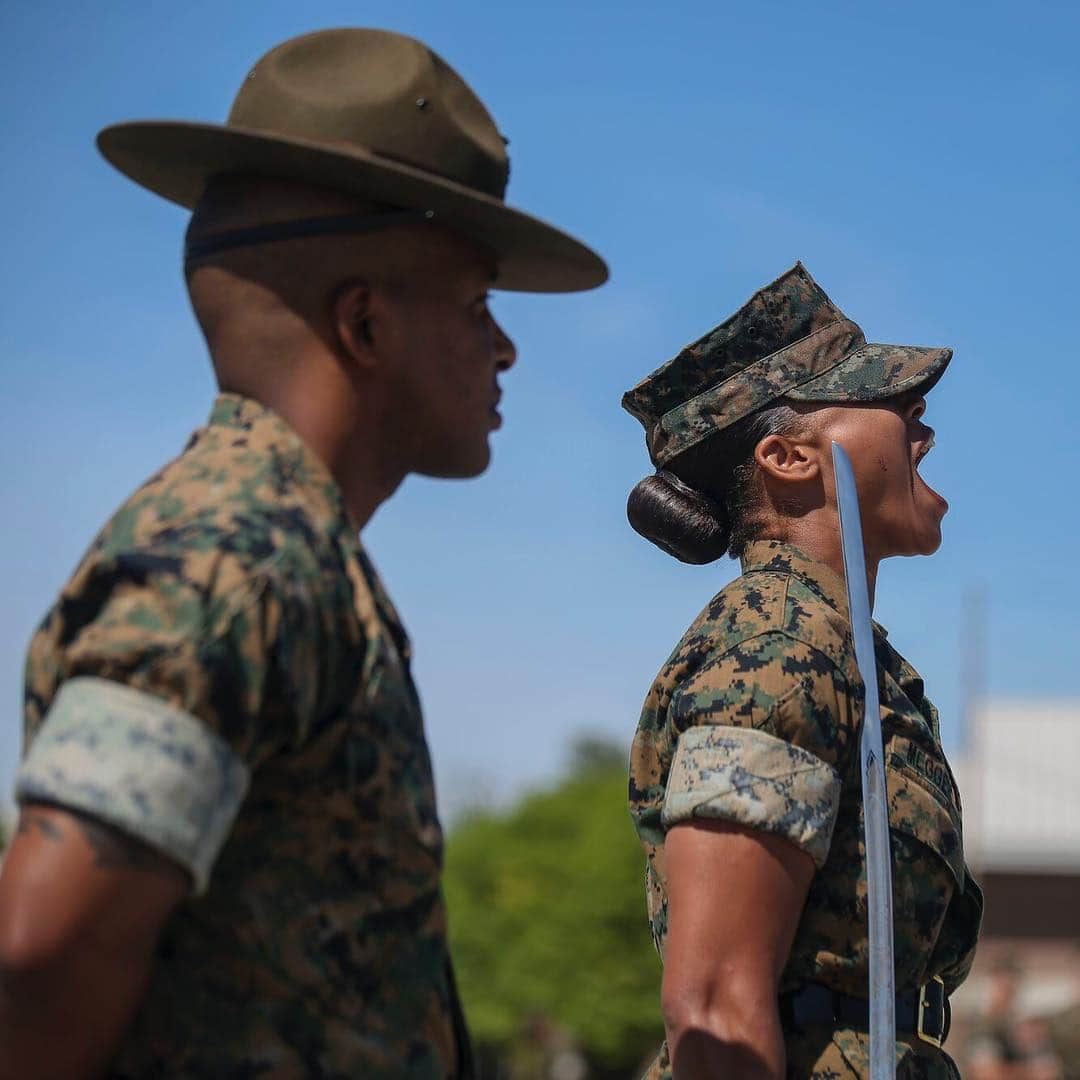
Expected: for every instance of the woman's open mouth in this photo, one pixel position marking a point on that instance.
(916, 475)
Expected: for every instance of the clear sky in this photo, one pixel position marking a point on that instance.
(920, 158)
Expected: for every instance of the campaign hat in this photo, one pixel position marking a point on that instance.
(788, 341)
(374, 114)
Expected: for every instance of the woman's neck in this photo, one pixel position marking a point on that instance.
(821, 541)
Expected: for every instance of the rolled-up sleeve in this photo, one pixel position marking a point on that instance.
(762, 734)
(164, 675)
(751, 778)
(135, 762)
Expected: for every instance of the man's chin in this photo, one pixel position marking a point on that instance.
(457, 467)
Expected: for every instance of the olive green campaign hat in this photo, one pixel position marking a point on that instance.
(370, 113)
(789, 340)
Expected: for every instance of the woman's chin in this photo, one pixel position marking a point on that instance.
(928, 541)
(922, 541)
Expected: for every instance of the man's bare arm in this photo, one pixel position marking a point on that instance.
(81, 908)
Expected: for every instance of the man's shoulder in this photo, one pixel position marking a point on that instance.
(203, 543)
(208, 566)
(220, 513)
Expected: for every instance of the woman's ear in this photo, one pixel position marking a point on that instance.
(787, 459)
(352, 319)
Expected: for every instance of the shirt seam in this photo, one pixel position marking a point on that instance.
(782, 632)
(790, 573)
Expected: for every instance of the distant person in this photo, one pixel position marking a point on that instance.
(1002, 1044)
(1040, 1056)
(228, 856)
(991, 1049)
(1064, 1025)
(1007, 1044)
(1064, 1028)
(745, 779)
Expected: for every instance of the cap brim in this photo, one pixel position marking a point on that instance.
(875, 372)
(175, 159)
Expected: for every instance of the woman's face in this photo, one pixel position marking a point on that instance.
(886, 441)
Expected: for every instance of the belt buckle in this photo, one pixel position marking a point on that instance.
(928, 1002)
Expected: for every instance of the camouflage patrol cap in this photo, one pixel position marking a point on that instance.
(789, 340)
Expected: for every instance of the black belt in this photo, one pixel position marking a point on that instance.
(924, 1013)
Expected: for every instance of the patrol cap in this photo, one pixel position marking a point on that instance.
(371, 113)
(789, 340)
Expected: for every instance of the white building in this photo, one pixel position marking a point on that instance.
(1020, 782)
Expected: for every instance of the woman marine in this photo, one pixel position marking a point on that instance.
(745, 782)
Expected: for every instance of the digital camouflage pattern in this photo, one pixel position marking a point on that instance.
(771, 657)
(744, 774)
(788, 340)
(232, 587)
(132, 760)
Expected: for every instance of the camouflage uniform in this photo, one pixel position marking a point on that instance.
(225, 679)
(754, 719)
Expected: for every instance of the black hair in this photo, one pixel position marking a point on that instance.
(700, 506)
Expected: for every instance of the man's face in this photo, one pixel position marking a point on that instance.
(446, 351)
(886, 441)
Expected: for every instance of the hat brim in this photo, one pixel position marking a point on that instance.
(876, 372)
(176, 159)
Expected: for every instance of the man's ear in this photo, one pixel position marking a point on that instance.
(352, 318)
(787, 460)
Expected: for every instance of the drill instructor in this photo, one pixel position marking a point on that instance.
(228, 856)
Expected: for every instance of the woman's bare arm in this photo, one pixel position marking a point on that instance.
(734, 900)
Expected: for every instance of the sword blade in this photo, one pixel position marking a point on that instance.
(875, 797)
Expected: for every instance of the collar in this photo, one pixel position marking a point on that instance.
(773, 556)
(288, 459)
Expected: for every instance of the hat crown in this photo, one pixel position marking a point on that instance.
(780, 314)
(377, 91)
(374, 115)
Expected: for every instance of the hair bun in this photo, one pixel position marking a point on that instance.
(678, 519)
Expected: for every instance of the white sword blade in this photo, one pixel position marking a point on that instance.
(875, 797)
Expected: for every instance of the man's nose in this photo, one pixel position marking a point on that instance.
(505, 353)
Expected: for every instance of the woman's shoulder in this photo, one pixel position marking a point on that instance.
(765, 655)
(774, 604)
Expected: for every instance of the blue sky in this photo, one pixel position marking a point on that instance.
(921, 159)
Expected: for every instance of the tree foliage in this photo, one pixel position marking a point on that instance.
(547, 918)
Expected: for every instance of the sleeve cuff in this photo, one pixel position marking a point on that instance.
(137, 763)
(751, 778)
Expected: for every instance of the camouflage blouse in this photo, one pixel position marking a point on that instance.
(754, 719)
(225, 678)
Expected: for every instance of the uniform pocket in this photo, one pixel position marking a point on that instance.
(922, 805)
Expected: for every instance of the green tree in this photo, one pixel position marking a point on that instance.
(547, 918)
